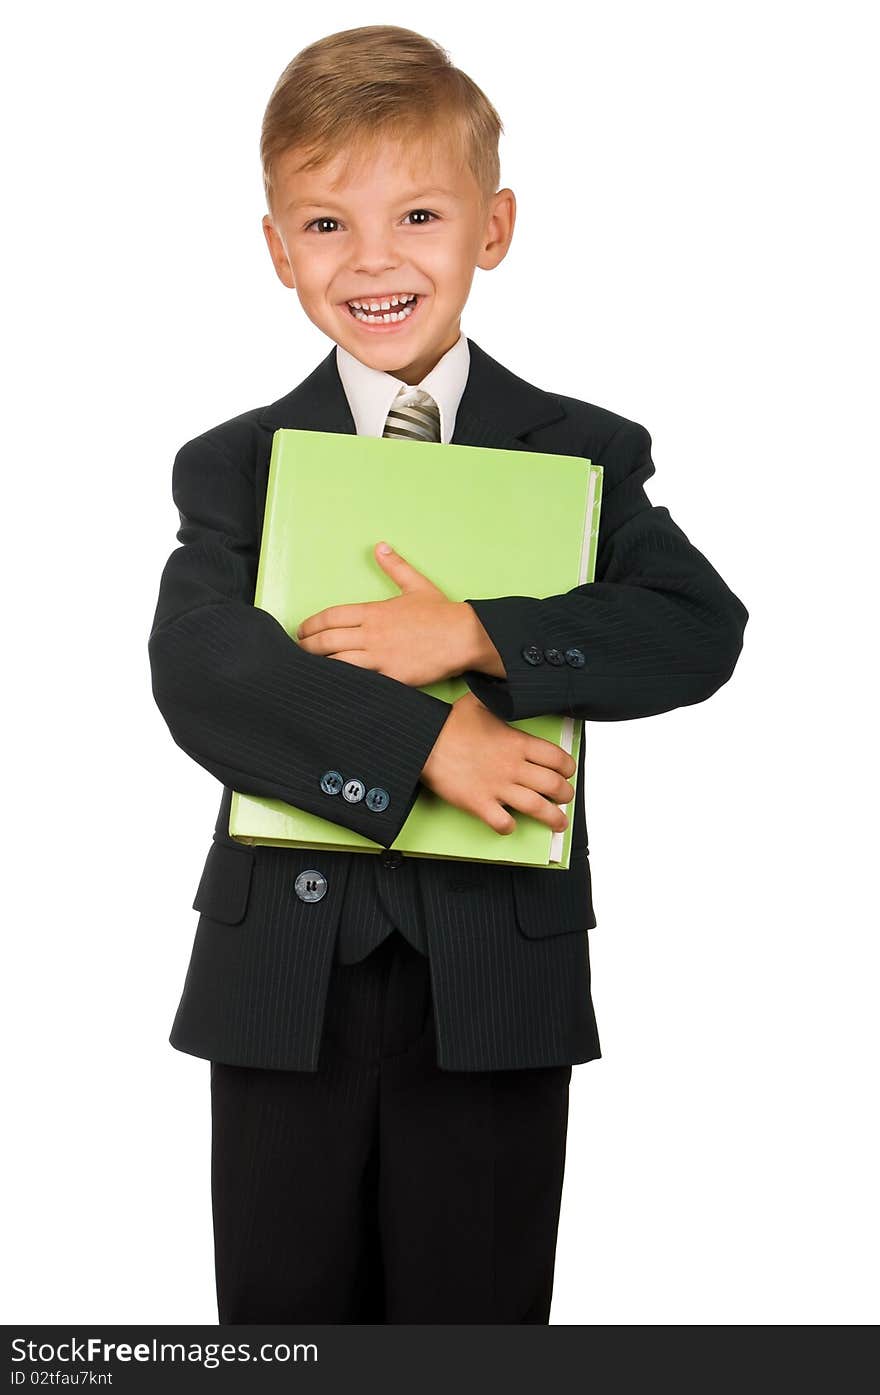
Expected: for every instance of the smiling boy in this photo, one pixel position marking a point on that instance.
(457, 227)
(392, 1038)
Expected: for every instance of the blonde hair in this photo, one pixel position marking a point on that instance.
(344, 91)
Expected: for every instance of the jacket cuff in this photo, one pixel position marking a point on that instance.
(537, 654)
(391, 778)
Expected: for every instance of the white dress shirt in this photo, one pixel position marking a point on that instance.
(371, 392)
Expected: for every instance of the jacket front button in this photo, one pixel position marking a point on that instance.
(331, 782)
(391, 857)
(353, 790)
(310, 885)
(575, 657)
(553, 656)
(532, 654)
(377, 799)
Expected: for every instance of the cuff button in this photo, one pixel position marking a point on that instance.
(553, 656)
(377, 799)
(575, 657)
(353, 791)
(331, 782)
(532, 654)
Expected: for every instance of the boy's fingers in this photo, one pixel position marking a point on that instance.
(548, 753)
(401, 572)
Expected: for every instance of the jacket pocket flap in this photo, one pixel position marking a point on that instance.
(554, 902)
(226, 883)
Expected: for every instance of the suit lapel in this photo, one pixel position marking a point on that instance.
(497, 408)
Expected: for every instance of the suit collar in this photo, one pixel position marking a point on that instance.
(496, 407)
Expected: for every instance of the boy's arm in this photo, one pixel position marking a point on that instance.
(657, 629)
(243, 699)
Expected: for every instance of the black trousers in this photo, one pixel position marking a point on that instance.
(379, 1188)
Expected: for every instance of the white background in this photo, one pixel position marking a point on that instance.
(693, 190)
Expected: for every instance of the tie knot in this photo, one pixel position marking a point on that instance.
(408, 393)
(414, 416)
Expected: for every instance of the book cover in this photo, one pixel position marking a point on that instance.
(478, 522)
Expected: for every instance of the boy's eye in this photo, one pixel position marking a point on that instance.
(424, 213)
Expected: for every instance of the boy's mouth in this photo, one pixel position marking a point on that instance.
(383, 314)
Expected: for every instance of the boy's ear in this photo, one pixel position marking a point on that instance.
(277, 252)
(499, 229)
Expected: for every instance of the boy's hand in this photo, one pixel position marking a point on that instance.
(418, 637)
(481, 764)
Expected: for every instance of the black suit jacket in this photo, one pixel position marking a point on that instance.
(507, 946)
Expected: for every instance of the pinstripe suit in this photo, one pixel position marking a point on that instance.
(390, 1064)
(507, 947)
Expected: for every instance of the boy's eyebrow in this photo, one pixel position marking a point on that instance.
(412, 194)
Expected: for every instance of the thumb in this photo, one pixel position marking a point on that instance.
(400, 571)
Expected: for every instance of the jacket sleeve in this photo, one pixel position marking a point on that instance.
(657, 629)
(243, 699)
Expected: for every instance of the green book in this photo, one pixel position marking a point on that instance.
(477, 521)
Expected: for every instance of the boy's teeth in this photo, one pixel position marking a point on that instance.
(372, 310)
(375, 305)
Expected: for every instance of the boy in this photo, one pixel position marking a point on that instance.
(391, 1038)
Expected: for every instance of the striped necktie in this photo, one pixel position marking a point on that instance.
(414, 416)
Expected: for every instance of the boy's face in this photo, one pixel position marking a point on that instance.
(394, 224)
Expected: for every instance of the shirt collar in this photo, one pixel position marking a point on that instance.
(371, 391)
